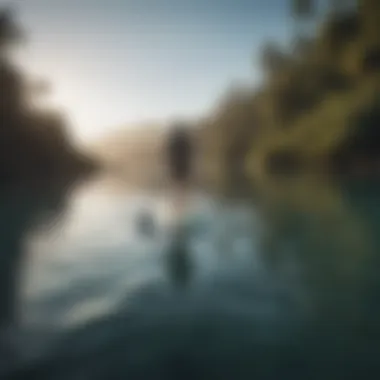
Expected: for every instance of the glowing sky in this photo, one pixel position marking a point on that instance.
(115, 62)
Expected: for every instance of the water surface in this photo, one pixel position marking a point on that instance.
(283, 284)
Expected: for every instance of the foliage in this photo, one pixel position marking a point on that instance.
(33, 142)
(318, 102)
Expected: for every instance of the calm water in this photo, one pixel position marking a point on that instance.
(282, 285)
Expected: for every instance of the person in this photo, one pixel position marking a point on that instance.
(179, 154)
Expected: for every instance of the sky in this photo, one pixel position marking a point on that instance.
(114, 63)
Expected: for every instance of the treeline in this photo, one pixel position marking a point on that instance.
(318, 105)
(34, 144)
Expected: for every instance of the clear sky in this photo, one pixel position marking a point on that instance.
(113, 62)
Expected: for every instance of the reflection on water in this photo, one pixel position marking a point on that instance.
(178, 257)
(105, 283)
(20, 211)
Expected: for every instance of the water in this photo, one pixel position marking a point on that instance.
(283, 284)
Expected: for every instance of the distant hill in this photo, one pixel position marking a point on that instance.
(135, 153)
(135, 142)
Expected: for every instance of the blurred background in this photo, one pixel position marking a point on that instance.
(263, 263)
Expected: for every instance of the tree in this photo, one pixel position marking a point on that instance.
(33, 141)
(303, 8)
(273, 58)
(10, 33)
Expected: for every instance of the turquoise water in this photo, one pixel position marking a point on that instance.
(100, 281)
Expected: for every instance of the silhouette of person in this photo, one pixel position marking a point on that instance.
(179, 154)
